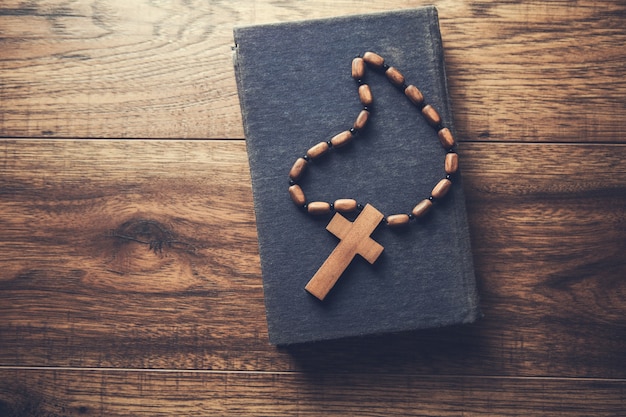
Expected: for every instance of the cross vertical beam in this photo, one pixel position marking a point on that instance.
(355, 239)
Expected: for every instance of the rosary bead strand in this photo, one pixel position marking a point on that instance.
(430, 114)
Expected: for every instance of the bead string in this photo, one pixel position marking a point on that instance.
(343, 205)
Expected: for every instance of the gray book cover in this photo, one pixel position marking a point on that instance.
(295, 89)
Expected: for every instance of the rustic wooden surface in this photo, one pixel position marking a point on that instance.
(130, 279)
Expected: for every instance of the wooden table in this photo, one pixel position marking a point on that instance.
(130, 279)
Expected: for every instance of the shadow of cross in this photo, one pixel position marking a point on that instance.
(355, 239)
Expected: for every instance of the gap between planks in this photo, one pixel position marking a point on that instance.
(244, 372)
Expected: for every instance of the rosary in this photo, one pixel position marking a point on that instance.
(355, 236)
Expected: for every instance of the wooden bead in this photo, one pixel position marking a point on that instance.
(318, 150)
(446, 138)
(358, 68)
(365, 95)
(451, 164)
(318, 207)
(398, 219)
(297, 195)
(431, 115)
(373, 59)
(361, 120)
(297, 169)
(441, 189)
(414, 94)
(341, 139)
(394, 76)
(422, 208)
(345, 205)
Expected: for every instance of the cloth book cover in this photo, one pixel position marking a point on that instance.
(296, 89)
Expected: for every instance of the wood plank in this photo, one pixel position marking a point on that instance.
(123, 393)
(143, 254)
(529, 71)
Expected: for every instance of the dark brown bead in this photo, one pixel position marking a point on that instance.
(373, 59)
(422, 208)
(414, 94)
(297, 195)
(394, 76)
(318, 207)
(358, 68)
(442, 188)
(361, 120)
(398, 219)
(451, 164)
(318, 150)
(431, 115)
(341, 139)
(446, 138)
(365, 95)
(345, 205)
(297, 169)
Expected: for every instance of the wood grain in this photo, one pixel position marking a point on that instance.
(129, 273)
(122, 393)
(519, 70)
(142, 254)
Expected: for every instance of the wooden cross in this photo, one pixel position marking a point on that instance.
(355, 239)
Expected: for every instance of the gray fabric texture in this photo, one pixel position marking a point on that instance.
(296, 90)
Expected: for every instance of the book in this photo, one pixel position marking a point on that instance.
(295, 89)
